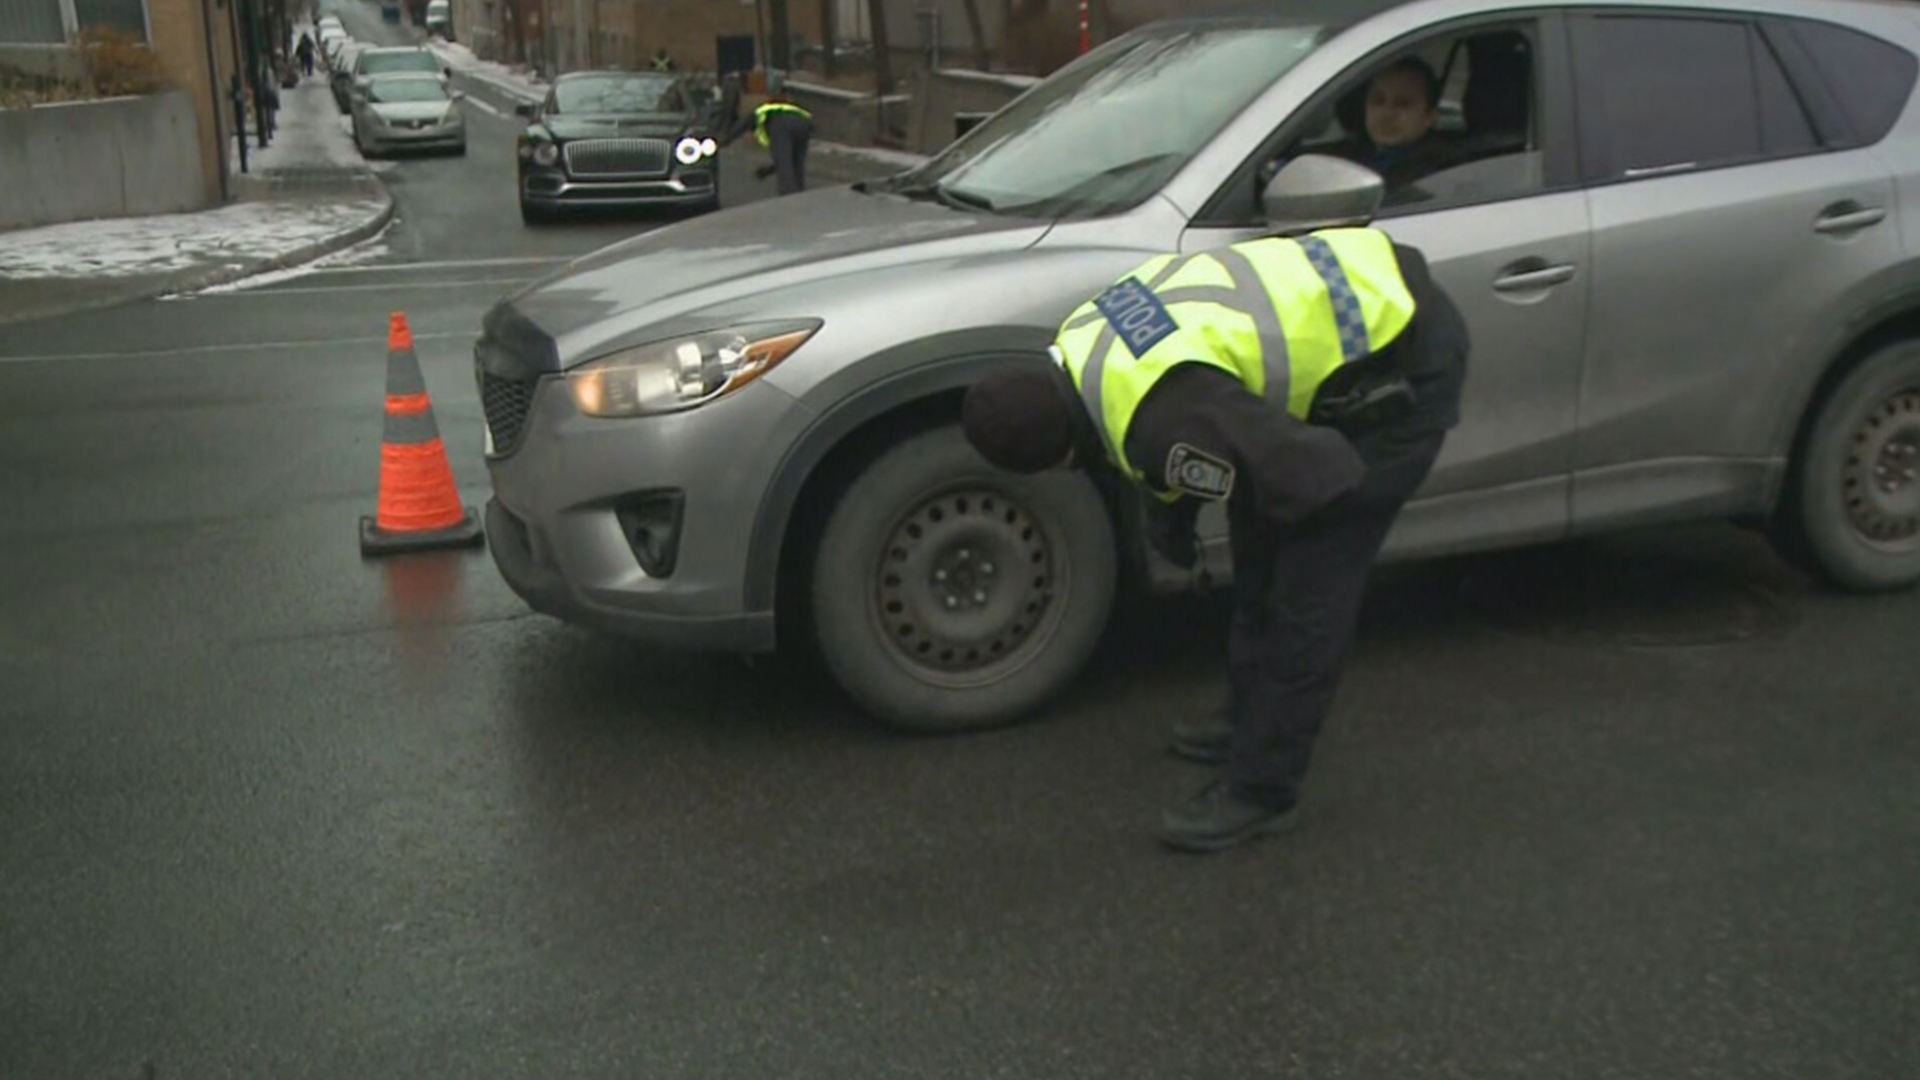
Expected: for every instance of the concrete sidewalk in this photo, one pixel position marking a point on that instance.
(305, 195)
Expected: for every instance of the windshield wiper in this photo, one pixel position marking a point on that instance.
(946, 196)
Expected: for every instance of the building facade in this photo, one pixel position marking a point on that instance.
(194, 42)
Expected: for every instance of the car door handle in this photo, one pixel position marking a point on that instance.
(1525, 277)
(1848, 217)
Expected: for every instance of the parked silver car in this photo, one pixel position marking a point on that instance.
(408, 112)
(1681, 232)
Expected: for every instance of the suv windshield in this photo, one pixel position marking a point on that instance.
(614, 94)
(382, 63)
(397, 90)
(1108, 131)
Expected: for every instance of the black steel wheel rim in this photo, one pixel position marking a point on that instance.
(966, 586)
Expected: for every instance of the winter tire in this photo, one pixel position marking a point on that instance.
(1852, 509)
(950, 596)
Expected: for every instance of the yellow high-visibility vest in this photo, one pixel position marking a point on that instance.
(1280, 314)
(764, 112)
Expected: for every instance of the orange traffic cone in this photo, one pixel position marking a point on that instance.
(419, 506)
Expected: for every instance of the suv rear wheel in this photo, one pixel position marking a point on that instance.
(948, 595)
(1853, 499)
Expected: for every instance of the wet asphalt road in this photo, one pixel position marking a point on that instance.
(1642, 807)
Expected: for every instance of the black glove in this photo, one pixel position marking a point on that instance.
(761, 172)
(1170, 530)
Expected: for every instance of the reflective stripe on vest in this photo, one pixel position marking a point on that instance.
(1280, 315)
(761, 114)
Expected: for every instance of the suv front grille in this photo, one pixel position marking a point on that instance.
(618, 157)
(506, 402)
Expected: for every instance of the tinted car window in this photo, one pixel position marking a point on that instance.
(1784, 125)
(1676, 93)
(405, 90)
(1870, 79)
(382, 63)
(615, 94)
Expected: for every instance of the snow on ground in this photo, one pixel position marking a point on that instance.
(309, 134)
(461, 59)
(365, 253)
(165, 243)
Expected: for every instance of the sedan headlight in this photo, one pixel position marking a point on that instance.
(545, 154)
(689, 151)
(670, 375)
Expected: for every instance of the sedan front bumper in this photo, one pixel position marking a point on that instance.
(553, 187)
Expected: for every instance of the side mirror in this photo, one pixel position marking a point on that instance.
(1315, 191)
(528, 110)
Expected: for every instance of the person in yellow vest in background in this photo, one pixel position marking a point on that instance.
(1307, 382)
(662, 61)
(783, 129)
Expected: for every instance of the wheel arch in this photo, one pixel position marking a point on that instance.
(925, 388)
(1895, 318)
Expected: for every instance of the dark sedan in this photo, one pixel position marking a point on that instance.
(610, 138)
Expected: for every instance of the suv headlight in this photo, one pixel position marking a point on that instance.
(667, 376)
(689, 151)
(545, 153)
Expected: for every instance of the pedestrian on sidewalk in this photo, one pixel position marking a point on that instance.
(304, 52)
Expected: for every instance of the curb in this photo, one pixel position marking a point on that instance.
(188, 281)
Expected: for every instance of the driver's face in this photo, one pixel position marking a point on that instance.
(1398, 111)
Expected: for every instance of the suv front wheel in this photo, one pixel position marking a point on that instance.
(948, 595)
(1853, 499)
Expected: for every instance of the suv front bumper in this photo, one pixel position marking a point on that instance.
(562, 523)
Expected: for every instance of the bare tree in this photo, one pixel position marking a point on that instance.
(982, 56)
(882, 58)
(827, 38)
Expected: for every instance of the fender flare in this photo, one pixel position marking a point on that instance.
(922, 370)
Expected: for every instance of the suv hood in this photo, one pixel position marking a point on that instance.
(752, 251)
(590, 127)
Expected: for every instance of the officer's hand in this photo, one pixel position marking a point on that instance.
(1170, 531)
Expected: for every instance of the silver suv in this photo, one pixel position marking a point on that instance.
(1681, 232)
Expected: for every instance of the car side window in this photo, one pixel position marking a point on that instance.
(1663, 95)
(1447, 121)
(1870, 79)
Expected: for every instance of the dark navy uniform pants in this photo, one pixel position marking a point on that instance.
(1297, 597)
(787, 139)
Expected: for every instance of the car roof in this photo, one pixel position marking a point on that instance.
(399, 49)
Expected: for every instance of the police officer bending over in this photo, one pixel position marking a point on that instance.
(1307, 383)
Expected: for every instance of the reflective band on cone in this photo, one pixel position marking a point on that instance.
(419, 506)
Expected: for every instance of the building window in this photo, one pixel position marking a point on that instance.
(126, 16)
(31, 22)
(53, 22)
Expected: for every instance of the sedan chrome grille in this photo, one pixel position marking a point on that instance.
(618, 157)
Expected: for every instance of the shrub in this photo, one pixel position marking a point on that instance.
(117, 63)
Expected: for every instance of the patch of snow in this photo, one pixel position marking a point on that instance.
(512, 81)
(308, 133)
(900, 158)
(164, 243)
(368, 251)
